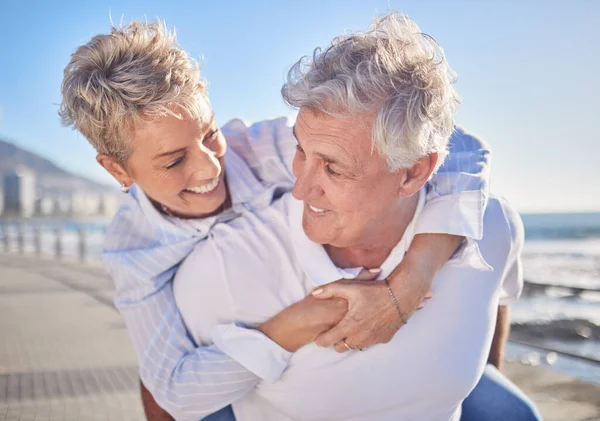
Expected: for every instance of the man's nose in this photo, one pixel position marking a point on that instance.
(306, 186)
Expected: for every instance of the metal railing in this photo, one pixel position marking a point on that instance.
(52, 239)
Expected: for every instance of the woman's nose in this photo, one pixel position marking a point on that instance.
(207, 164)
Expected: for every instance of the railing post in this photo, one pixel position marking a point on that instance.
(5, 237)
(37, 239)
(58, 249)
(21, 237)
(82, 244)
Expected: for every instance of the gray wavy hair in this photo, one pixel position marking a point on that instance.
(393, 70)
(135, 73)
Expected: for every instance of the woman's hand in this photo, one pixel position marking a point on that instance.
(302, 322)
(373, 316)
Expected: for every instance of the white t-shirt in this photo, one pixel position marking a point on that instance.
(260, 263)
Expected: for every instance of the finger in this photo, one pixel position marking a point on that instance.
(340, 347)
(361, 341)
(421, 306)
(368, 274)
(428, 295)
(334, 335)
(334, 289)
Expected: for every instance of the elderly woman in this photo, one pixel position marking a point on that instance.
(139, 101)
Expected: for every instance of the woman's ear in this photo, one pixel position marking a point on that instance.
(417, 175)
(115, 169)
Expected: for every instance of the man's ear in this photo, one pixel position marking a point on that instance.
(115, 169)
(416, 176)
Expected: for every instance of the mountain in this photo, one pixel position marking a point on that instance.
(49, 177)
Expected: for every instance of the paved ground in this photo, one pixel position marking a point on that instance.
(65, 355)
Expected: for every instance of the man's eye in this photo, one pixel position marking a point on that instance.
(332, 172)
(175, 163)
(299, 148)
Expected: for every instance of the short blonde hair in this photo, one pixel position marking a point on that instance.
(392, 70)
(135, 72)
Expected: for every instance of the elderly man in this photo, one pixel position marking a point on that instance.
(376, 111)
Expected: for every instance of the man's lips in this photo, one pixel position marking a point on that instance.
(313, 210)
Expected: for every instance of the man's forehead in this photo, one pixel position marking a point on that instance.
(352, 135)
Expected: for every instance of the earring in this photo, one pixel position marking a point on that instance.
(124, 188)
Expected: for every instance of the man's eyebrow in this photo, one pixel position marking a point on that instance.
(324, 157)
(329, 159)
(162, 155)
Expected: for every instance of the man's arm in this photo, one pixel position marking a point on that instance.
(496, 356)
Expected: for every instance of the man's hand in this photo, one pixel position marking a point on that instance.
(302, 322)
(372, 316)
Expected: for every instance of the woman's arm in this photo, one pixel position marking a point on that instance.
(456, 200)
(191, 382)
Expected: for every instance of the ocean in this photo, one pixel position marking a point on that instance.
(561, 250)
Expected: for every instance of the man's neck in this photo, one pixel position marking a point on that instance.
(377, 245)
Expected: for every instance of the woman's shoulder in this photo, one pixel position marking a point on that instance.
(266, 146)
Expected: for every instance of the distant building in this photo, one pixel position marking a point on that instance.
(110, 204)
(19, 193)
(45, 206)
(85, 203)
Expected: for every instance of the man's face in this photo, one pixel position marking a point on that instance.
(179, 163)
(345, 186)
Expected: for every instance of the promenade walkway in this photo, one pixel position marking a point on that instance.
(65, 354)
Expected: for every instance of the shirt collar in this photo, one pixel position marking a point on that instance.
(315, 261)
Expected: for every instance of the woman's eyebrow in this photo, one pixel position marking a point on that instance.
(162, 155)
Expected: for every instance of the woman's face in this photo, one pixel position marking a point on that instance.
(179, 163)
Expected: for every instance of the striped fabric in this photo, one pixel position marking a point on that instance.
(143, 249)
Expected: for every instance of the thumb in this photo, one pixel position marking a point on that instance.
(368, 274)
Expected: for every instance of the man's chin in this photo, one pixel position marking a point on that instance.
(313, 232)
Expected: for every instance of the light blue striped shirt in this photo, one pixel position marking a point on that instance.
(144, 249)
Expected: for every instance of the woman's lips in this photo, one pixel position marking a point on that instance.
(205, 189)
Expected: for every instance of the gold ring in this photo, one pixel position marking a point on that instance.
(346, 345)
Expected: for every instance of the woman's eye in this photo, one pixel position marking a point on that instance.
(175, 163)
(212, 135)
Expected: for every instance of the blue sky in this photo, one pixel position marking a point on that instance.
(528, 73)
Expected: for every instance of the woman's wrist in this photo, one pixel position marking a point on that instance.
(303, 321)
(423, 260)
